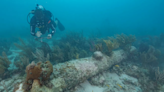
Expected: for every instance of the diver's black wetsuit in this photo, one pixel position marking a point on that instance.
(43, 24)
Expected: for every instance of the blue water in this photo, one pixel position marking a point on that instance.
(138, 17)
(142, 18)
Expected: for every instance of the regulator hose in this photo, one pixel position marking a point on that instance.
(27, 17)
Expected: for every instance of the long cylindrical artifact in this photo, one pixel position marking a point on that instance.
(69, 74)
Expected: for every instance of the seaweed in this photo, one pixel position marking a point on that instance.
(72, 46)
(65, 52)
(111, 44)
(46, 49)
(4, 45)
(159, 76)
(151, 56)
(4, 86)
(4, 64)
(99, 47)
(57, 55)
(143, 47)
(155, 41)
(83, 53)
(74, 38)
(106, 46)
(41, 56)
(125, 41)
(91, 44)
(26, 50)
(69, 51)
(21, 64)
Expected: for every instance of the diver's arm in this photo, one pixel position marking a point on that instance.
(32, 25)
(32, 28)
(53, 28)
(52, 32)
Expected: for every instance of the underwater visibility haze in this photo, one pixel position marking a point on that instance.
(82, 46)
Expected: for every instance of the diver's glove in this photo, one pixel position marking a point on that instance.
(49, 36)
(38, 34)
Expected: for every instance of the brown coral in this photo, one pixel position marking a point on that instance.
(33, 71)
(40, 71)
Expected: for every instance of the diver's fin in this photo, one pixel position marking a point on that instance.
(60, 26)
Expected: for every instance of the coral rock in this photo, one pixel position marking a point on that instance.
(20, 88)
(132, 49)
(98, 55)
(47, 70)
(36, 86)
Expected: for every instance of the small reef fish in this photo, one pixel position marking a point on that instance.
(108, 85)
(117, 66)
(119, 85)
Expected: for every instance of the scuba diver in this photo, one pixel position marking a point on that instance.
(42, 19)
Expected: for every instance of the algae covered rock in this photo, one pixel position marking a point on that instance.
(36, 87)
(59, 85)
